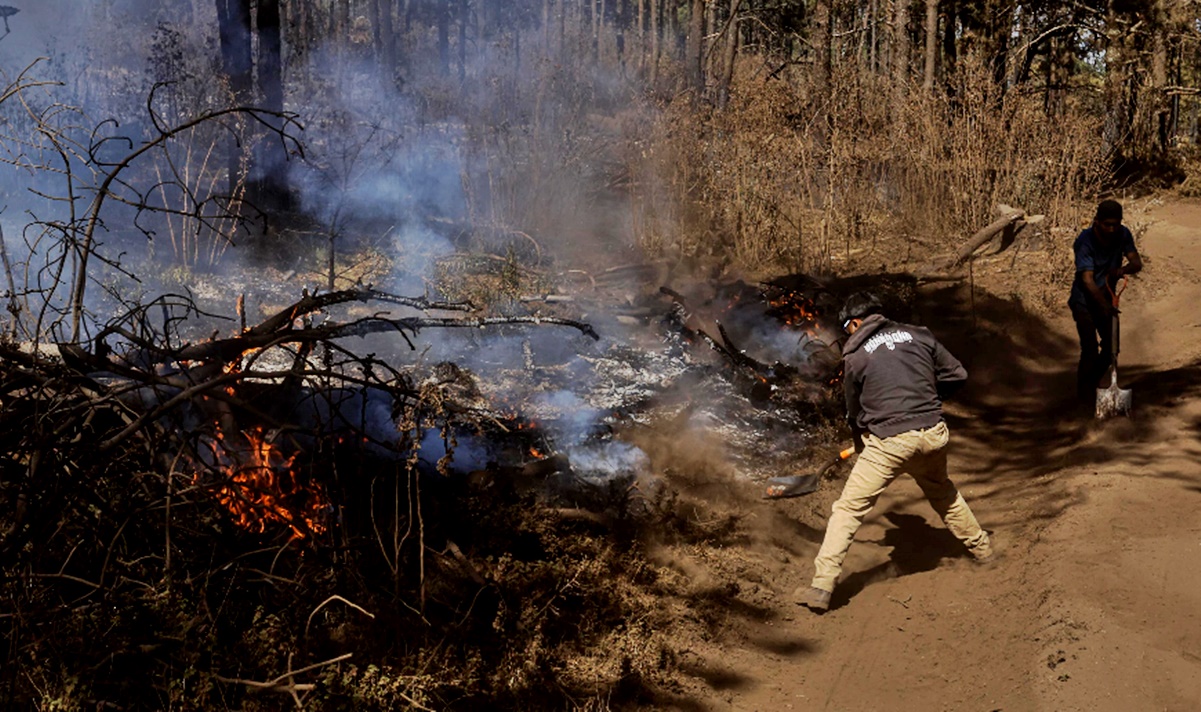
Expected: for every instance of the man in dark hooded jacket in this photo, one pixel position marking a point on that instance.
(895, 377)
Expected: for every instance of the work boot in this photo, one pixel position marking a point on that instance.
(815, 599)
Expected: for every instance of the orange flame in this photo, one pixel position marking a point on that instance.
(795, 309)
(261, 487)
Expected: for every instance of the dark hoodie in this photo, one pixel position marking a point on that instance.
(895, 376)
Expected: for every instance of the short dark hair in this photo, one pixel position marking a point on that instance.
(1109, 210)
(859, 306)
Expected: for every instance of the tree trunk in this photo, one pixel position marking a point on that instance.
(673, 32)
(1177, 73)
(444, 36)
(464, 13)
(656, 10)
(620, 19)
(373, 12)
(900, 47)
(341, 21)
(931, 44)
(595, 23)
(269, 189)
(387, 41)
(823, 22)
(985, 234)
(296, 20)
(1159, 76)
(562, 28)
(490, 20)
(729, 54)
(237, 60)
(1000, 26)
(1058, 70)
(950, 47)
(270, 61)
(873, 43)
(1117, 127)
(642, 43)
(695, 48)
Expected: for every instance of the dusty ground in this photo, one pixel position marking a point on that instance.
(1095, 603)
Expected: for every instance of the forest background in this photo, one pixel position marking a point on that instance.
(752, 137)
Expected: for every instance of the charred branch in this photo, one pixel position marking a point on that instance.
(763, 378)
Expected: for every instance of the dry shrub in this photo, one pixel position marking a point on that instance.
(963, 157)
(728, 184)
(785, 178)
(1189, 158)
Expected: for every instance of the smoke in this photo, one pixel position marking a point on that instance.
(468, 453)
(574, 418)
(516, 156)
(499, 145)
(602, 461)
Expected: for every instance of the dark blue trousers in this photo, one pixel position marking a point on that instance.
(1095, 330)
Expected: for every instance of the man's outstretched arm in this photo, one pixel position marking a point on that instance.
(1094, 290)
(1134, 264)
(949, 373)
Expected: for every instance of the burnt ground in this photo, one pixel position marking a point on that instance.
(1095, 602)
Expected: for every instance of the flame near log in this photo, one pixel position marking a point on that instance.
(260, 486)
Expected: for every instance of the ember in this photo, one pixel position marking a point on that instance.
(260, 485)
(794, 309)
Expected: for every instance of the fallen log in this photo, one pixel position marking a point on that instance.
(984, 235)
(1011, 222)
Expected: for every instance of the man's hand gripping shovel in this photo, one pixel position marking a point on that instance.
(1113, 401)
(797, 485)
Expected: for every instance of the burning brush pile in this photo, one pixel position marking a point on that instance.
(277, 507)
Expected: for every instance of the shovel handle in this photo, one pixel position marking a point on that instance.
(1116, 330)
(841, 456)
(1117, 340)
(1121, 288)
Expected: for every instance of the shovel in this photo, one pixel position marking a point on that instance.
(1113, 400)
(797, 485)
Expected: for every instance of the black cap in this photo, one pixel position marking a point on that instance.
(1109, 210)
(858, 306)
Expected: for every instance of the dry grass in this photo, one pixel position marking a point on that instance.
(783, 181)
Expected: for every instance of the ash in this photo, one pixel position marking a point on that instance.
(589, 396)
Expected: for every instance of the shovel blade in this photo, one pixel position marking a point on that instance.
(792, 486)
(1113, 401)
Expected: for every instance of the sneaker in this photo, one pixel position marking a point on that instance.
(987, 559)
(815, 599)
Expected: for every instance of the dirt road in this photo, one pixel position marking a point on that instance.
(1095, 603)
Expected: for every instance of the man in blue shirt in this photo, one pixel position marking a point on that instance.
(1100, 253)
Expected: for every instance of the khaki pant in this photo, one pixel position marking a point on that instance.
(920, 453)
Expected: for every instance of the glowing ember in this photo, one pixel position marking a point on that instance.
(261, 486)
(236, 367)
(794, 309)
